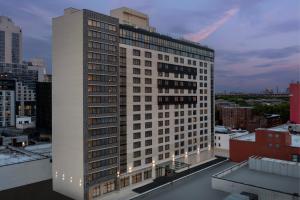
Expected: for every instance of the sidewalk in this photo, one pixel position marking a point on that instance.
(133, 192)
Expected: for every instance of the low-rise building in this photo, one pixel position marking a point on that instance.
(24, 122)
(19, 166)
(261, 178)
(275, 142)
(13, 140)
(222, 138)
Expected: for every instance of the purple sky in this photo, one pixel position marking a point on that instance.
(257, 42)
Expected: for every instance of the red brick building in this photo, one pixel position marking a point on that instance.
(295, 103)
(275, 143)
(237, 117)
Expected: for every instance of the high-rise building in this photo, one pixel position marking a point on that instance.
(10, 41)
(26, 74)
(38, 64)
(128, 102)
(7, 102)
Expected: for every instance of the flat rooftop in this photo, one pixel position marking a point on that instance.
(266, 180)
(12, 155)
(36, 191)
(41, 149)
(249, 137)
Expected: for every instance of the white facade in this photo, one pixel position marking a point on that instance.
(165, 145)
(7, 108)
(23, 122)
(222, 138)
(9, 28)
(67, 105)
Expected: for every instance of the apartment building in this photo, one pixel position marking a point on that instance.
(7, 102)
(127, 102)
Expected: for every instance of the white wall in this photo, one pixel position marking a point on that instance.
(24, 173)
(67, 105)
(231, 187)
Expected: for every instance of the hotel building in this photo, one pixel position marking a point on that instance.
(128, 102)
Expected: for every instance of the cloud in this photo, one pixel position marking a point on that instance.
(259, 81)
(292, 25)
(207, 31)
(232, 57)
(44, 14)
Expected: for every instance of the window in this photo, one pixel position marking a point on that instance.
(148, 116)
(148, 89)
(147, 174)
(160, 56)
(148, 72)
(148, 81)
(108, 187)
(166, 58)
(136, 154)
(176, 59)
(136, 108)
(136, 52)
(136, 117)
(136, 71)
(136, 61)
(148, 133)
(136, 126)
(148, 98)
(148, 160)
(136, 80)
(124, 182)
(160, 140)
(148, 107)
(148, 54)
(136, 145)
(136, 164)
(148, 125)
(136, 89)
(137, 177)
(148, 142)
(136, 135)
(148, 63)
(148, 151)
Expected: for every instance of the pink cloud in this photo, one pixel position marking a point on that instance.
(207, 31)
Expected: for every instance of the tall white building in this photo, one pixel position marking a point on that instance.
(10, 41)
(129, 104)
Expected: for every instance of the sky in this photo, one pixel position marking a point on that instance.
(256, 42)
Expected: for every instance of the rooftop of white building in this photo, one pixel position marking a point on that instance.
(12, 155)
(41, 149)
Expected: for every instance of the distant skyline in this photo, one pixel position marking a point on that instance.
(257, 42)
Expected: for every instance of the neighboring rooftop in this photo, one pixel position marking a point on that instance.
(248, 137)
(221, 129)
(282, 128)
(41, 149)
(12, 155)
(273, 174)
(266, 180)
